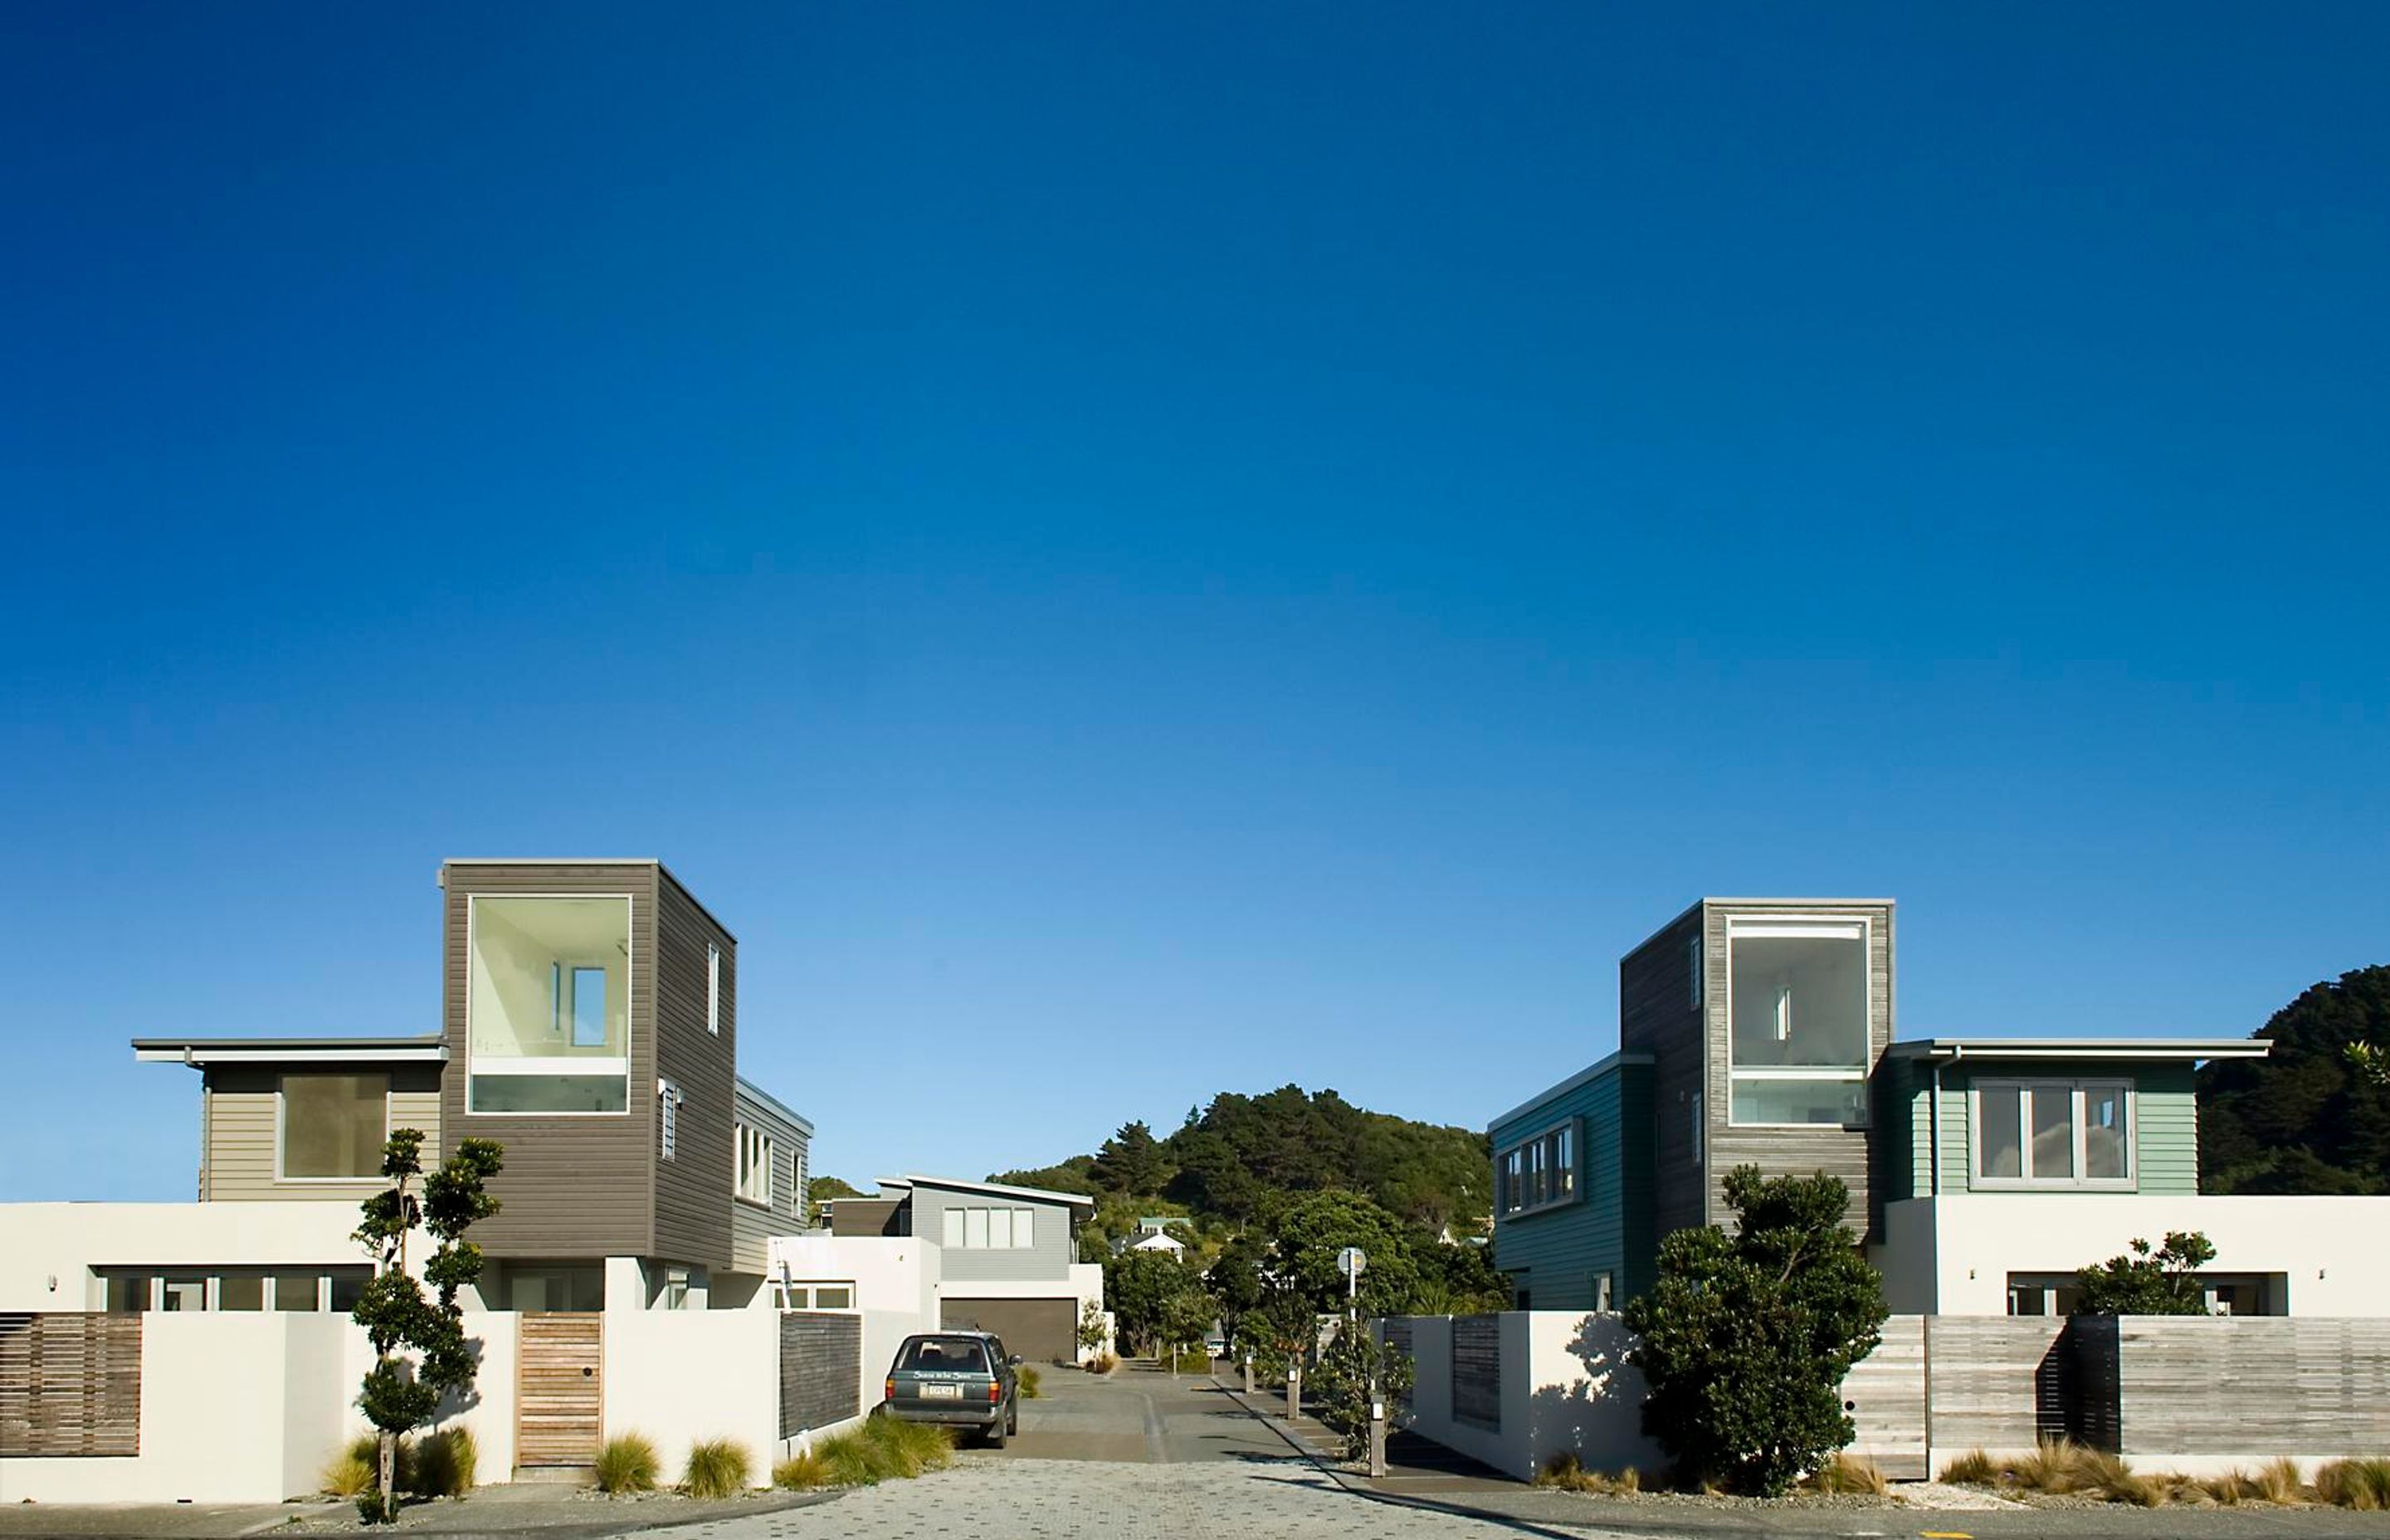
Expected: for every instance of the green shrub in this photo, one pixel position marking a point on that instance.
(2361, 1483)
(884, 1448)
(1973, 1468)
(717, 1467)
(628, 1462)
(801, 1472)
(1566, 1472)
(1032, 1384)
(1843, 1474)
(445, 1463)
(852, 1459)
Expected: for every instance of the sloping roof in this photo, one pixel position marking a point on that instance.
(194, 1051)
(2081, 1047)
(747, 1087)
(1075, 1199)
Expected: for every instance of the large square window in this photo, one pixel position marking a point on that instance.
(2053, 1134)
(1798, 1038)
(548, 1007)
(333, 1126)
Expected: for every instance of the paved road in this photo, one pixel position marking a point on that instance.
(1137, 1417)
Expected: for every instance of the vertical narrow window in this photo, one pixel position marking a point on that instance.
(1697, 1127)
(1693, 970)
(2053, 1133)
(1602, 1290)
(999, 1229)
(975, 1229)
(712, 988)
(952, 1235)
(1565, 1163)
(2104, 1138)
(1024, 1228)
(1999, 1111)
(588, 1007)
(668, 1135)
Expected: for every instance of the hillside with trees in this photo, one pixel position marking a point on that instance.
(2313, 1116)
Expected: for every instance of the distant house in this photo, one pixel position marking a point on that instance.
(1152, 1233)
(1982, 1171)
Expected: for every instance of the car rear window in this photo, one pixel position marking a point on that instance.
(946, 1354)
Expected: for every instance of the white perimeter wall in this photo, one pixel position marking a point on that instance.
(1565, 1388)
(47, 1250)
(249, 1408)
(1952, 1255)
(681, 1376)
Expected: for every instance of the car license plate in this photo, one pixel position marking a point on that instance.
(942, 1393)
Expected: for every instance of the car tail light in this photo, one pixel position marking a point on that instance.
(889, 1391)
(995, 1392)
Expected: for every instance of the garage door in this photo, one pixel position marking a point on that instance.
(1039, 1331)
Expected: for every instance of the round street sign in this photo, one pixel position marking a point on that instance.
(1350, 1261)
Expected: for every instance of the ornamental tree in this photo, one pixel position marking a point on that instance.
(2160, 1282)
(421, 1354)
(1744, 1340)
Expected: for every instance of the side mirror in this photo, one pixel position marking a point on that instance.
(1014, 1360)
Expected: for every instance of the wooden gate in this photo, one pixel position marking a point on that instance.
(560, 1388)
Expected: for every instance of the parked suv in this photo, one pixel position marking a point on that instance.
(958, 1379)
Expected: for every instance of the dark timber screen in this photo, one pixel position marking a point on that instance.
(70, 1385)
(1477, 1369)
(1399, 1343)
(821, 1369)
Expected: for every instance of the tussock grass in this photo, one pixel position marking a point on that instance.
(1103, 1363)
(1843, 1474)
(2278, 1481)
(2360, 1483)
(1973, 1468)
(445, 1463)
(884, 1448)
(628, 1462)
(1567, 1473)
(2107, 1476)
(1032, 1383)
(356, 1470)
(717, 1467)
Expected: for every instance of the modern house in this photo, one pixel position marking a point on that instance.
(1002, 1258)
(1152, 1233)
(1983, 1172)
(589, 1026)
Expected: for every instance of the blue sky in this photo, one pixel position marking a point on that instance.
(1176, 550)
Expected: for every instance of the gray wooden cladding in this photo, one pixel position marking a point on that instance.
(1992, 1380)
(821, 1369)
(560, 1388)
(1477, 1369)
(2237, 1385)
(1884, 1397)
(70, 1385)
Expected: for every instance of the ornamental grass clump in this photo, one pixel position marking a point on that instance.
(1567, 1473)
(445, 1463)
(1846, 1476)
(2360, 1483)
(716, 1469)
(1973, 1468)
(628, 1462)
(1032, 1384)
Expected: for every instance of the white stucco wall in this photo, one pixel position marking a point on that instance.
(1953, 1254)
(47, 1250)
(1565, 1388)
(679, 1376)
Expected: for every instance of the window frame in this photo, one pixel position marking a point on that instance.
(1538, 1171)
(713, 989)
(744, 1172)
(2077, 1105)
(282, 1124)
(668, 1098)
(559, 1064)
(1821, 927)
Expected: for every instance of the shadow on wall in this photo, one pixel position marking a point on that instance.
(1589, 1404)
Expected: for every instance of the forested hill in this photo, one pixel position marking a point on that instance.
(2313, 1116)
(1227, 1159)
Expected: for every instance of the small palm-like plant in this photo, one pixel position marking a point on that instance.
(628, 1462)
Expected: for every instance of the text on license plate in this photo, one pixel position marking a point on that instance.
(942, 1393)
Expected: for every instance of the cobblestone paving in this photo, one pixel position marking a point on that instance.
(998, 1500)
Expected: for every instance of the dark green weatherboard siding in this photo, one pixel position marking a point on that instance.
(1555, 1253)
(2165, 1122)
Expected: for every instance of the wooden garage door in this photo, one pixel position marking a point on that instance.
(1039, 1331)
(560, 1388)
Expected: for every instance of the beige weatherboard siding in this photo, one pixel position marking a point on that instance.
(242, 1113)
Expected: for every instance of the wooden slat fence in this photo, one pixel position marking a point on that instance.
(821, 1369)
(1994, 1382)
(560, 1388)
(1884, 1396)
(69, 1384)
(1477, 1369)
(2240, 1385)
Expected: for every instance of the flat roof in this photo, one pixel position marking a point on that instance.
(2081, 1047)
(747, 1087)
(1712, 901)
(1076, 1199)
(687, 892)
(429, 1048)
(1590, 1071)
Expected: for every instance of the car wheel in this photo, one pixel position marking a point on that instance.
(997, 1434)
(1012, 1418)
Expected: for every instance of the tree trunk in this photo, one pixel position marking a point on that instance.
(388, 1475)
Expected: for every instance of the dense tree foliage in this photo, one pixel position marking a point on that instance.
(1142, 1289)
(820, 1190)
(1744, 1341)
(2311, 1116)
(2162, 1282)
